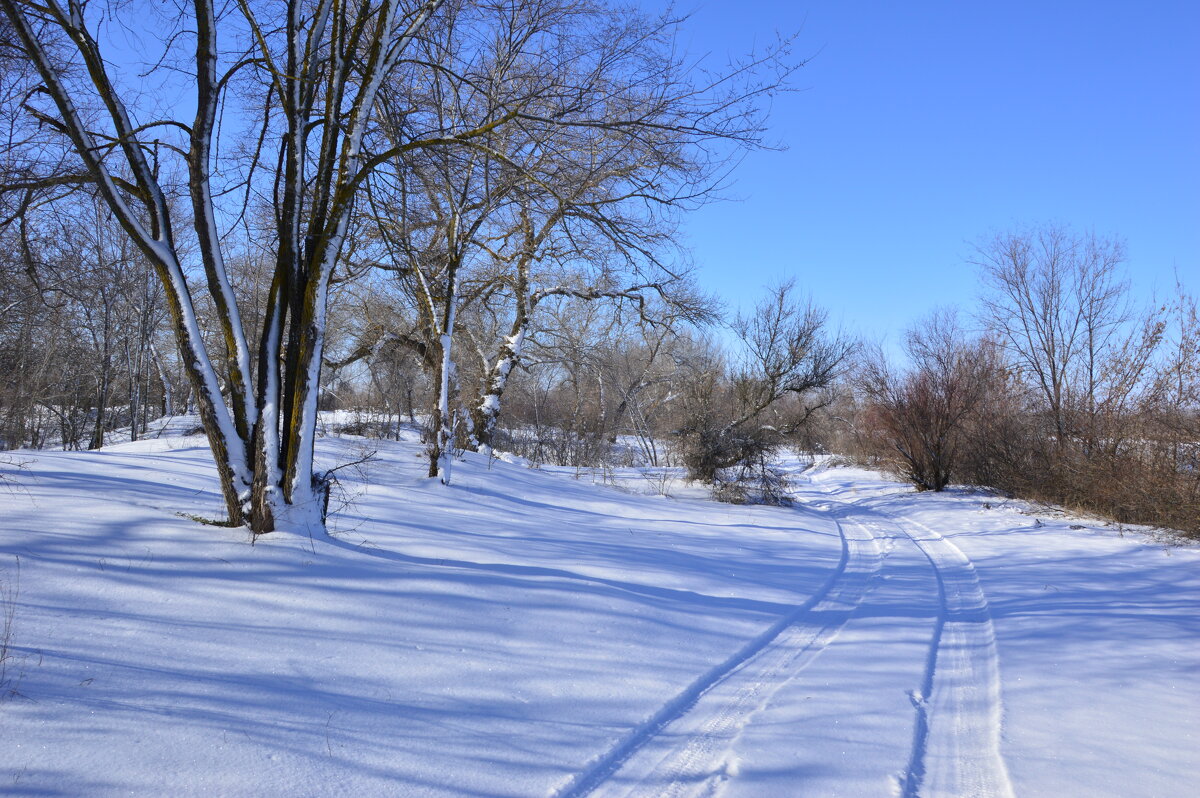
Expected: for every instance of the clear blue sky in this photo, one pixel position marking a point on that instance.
(921, 127)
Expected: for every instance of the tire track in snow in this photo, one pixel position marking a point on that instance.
(956, 735)
(956, 739)
(728, 695)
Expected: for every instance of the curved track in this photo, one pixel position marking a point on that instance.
(681, 750)
(956, 742)
(959, 715)
(685, 748)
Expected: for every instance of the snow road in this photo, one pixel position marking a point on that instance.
(688, 747)
(698, 727)
(526, 633)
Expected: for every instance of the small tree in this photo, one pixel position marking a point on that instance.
(788, 351)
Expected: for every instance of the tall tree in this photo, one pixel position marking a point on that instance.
(1061, 308)
(302, 81)
(613, 135)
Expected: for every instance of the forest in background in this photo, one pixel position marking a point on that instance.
(465, 216)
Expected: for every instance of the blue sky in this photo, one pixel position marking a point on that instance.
(921, 127)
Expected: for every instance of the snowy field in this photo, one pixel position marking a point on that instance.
(530, 633)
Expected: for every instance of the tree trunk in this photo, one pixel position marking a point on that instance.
(487, 413)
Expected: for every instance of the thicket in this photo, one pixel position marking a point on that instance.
(1067, 394)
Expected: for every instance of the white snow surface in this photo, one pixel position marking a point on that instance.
(527, 632)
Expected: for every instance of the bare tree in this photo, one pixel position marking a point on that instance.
(577, 199)
(787, 350)
(1061, 309)
(594, 373)
(310, 77)
(79, 339)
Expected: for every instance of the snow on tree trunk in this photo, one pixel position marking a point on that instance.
(445, 422)
(264, 460)
(488, 411)
(267, 500)
(306, 493)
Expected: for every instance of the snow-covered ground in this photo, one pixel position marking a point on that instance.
(530, 633)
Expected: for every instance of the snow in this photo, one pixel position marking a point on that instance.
(528, 632)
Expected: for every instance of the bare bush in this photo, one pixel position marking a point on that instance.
(789, 356)
(1073, 397)
(755, 480)
(922, 413)
(1111, 420)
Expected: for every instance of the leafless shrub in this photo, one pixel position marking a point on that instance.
(1111, 421)
(789, 358)
(920, 415)
(752, 481)
(1073, 397)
